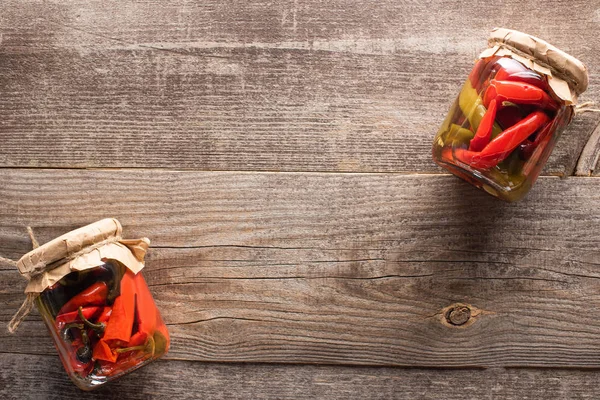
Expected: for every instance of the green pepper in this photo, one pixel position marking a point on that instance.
(443, 131)
(459, 136)
(472, 107)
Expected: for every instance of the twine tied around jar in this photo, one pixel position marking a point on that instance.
(27, 305)
(78, 250)
(586, 106)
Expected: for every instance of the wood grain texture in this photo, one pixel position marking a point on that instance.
(335, 268)
(283, 86)
(257, 271)
(192, 380)
(589, 160)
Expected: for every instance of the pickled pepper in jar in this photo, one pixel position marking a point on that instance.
(509, 113)
(89, 289)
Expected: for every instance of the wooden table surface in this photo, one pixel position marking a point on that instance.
(304, 244)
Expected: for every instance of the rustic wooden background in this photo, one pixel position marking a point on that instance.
(304, 244)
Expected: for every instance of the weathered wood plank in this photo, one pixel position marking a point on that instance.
(589, 160)
(335, 268)
(41, 377)
(283, 86)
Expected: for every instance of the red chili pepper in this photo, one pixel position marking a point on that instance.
(79, 358)
(484, 131)
(145, 307)
(447, 154)
(512, 70)
(95, 295)
(505, 67)
(527, 148)
(489, 69)
(509, 116)
(102, 351)
(518, 93)
(475, 74)
(529, 77)
(146, 317)
(73, 316)
(499, 148)
(81, 368)
(109, 368)
(105, 314)
(534, 159)
(120, 323)
(137, 339)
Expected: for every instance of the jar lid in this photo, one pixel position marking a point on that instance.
(68, 244)
(81, 249)
(78, 250)
(546, 58)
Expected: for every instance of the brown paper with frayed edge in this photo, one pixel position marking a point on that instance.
(84, 248)
(567, 76)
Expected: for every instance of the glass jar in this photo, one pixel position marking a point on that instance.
(96, 303)
(104, 323)
(509, 113)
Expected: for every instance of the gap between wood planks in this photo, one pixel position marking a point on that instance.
(576, 173)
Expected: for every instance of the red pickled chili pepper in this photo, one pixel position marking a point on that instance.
(481, 76)
(519, 93)
(102, 351)
(94, 295)
(73, 316)
(508, 116)
(528, 77)
(80, 355)
(110, 368)
(475, 74)
(137, 339)
(512, 70)
(120, 323)
(148, 346)
(141, 342)
(122, 317)
(146, 313)
(484, 131)
(84, 367)
(145, 307)
(527, 148)
(105, 314)
(499, 148)
(532, 160)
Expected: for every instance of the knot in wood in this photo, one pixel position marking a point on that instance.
(458, 315)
